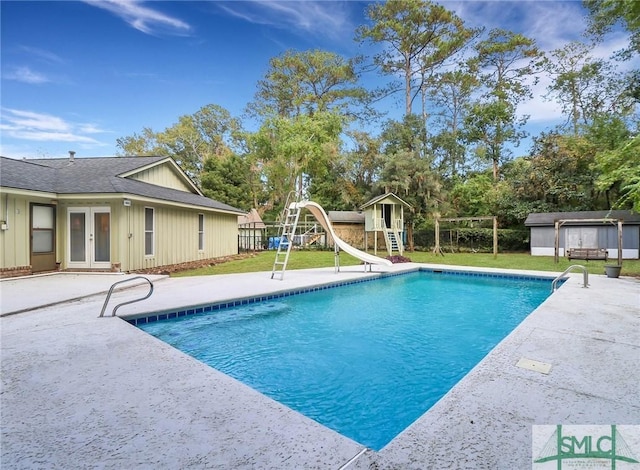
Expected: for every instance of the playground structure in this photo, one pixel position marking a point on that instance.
(438, 248)
(288, 235)
(384, 218)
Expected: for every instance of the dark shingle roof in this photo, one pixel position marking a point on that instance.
(94, 176)
(549, 218)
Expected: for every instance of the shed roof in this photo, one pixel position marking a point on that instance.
(95, 176)
(346, 217)
(549, 218)
(252, 218)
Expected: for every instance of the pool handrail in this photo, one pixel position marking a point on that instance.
(585, 275)
(106, 301)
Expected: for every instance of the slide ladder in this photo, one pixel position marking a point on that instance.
(287, 231)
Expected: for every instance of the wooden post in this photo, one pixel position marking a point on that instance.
(619, 242)
(436, 249)
(495, 237)
(557, 242)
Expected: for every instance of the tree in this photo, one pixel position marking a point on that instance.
(621, 167)
(211, 132)
(586, 87)
(406, 170)
(617, 161)
(351, 175)
(605, 14)
(293, 151)
(560, 174)
(452, 92)
(144, 144)
(418, 36)
(307, 82)
(490, 125)
(208, 133)
(229, 179)
(468, 197)
(207, 145)
(508, 61)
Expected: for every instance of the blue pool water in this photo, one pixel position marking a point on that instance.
(365, 359)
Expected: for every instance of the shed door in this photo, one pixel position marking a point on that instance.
(89, 237)
(43, 237)
(582, 237)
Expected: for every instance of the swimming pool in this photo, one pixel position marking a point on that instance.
(365, 359)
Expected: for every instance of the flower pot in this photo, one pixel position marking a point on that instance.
(612, 270)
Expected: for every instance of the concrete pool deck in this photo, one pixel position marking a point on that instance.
(80, 391)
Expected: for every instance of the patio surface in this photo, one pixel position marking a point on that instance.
(80, 391)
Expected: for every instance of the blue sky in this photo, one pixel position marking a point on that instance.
(77, 75)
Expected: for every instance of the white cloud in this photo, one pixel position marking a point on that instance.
(26, 75)
(142, 18)
(42, 54)
(320, 18)
(553, 24)
(28, 125)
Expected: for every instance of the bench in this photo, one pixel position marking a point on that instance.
(587, 253)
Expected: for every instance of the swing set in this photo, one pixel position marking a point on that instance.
(438, 249)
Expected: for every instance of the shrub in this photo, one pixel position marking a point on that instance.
(395, 259)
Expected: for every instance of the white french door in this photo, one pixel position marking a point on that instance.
(89, 240)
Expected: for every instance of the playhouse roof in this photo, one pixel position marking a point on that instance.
(377, 199)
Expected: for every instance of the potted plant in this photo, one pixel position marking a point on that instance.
(612, 270)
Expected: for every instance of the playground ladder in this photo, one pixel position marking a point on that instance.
(393, 244)
(287, 232)
(393, 241)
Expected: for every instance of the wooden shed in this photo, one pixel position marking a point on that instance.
(349, 226)
(617, 232)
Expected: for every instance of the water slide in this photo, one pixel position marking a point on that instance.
(319, 213)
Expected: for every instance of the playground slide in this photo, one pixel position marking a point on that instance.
(319, 213)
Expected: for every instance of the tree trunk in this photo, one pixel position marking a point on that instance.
(410, 237)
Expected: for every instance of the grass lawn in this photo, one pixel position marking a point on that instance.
(304, 259)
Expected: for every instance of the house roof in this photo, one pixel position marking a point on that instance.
(346, 217)
(383, 196)
(549, 218)
(96, 176)
(252, 219)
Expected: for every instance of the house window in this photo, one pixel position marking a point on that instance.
(201, 232)
(148, 231)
